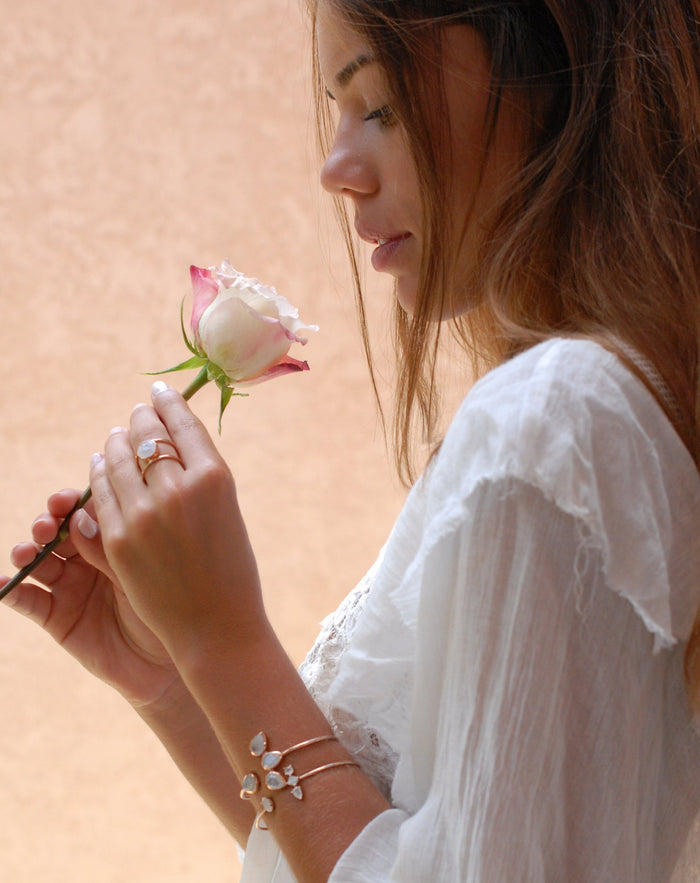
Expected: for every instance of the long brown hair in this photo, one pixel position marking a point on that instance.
(598, 233)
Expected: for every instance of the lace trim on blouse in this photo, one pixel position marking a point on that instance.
(320, 669)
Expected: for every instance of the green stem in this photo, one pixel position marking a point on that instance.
(200, 380)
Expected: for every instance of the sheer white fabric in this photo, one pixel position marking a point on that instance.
(510, 671)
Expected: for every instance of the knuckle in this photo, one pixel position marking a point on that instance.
(168, 491)
(116, 540)
(213, 476)
(139, 518)
(188, 424)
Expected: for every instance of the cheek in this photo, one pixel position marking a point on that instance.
(399, 175)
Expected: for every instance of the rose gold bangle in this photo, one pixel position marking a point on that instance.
(274, 780)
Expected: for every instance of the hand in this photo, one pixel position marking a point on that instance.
(85, 609)
(177, 542)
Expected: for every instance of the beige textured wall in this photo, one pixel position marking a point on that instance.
(139, 137)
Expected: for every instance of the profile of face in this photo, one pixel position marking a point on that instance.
(371, 165)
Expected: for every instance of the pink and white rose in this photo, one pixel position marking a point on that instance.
(243, 327)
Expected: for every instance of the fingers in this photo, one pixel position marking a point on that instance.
(105, 501)
(161, 462)
(23, 554)
(46, 525)
(180, 443)
(189, 434)
(60, 503)
(84, 542)
(86, 536)
(48, 572)
(45, 528)
(29, 600)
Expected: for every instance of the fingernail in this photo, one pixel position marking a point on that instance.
(158, 387)
(117, 429)
(87, 526)
(95, 459)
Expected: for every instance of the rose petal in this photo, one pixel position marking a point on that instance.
(241, 341)
(204, 291)
(287, 366)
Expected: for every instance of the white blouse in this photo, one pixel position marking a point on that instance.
(510, 671)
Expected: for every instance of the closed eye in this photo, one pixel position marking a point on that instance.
(384, 114)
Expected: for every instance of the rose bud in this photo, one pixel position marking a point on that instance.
(243, 327)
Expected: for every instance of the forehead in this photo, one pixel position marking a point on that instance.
(341, 49)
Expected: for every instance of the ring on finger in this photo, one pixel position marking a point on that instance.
(149, 452)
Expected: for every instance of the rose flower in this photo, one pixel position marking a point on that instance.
(244, 327)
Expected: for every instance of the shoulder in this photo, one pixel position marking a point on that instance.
(561, 405)
(568, 419)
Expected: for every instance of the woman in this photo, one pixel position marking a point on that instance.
(502, 698)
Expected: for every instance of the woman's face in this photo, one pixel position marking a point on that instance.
(371, 165)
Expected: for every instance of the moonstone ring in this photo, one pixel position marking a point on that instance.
(149, 452)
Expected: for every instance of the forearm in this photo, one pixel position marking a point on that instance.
(247, 690)
(185, 731)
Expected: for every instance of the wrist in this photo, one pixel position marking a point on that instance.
(248, 684)
(203, 653)
(252, 687)
(170, 702)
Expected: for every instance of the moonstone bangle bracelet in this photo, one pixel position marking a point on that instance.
(274, 780)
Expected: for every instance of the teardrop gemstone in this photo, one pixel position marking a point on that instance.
(258, 745)
(271, 759)
(249, 786)
(275, 781)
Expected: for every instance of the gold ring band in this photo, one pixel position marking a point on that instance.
(152, 460)
(149, 452)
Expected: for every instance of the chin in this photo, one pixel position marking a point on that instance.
(406, 291)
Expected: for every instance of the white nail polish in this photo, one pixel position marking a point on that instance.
(158, 387)
(117, 429)
(95, 459)
(87, 526)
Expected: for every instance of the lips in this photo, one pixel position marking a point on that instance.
(389, 245)
(378, 236)
(386, 255)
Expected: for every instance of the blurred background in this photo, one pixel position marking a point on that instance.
(139, 137)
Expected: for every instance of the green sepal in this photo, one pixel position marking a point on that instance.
(226, 393)
(194, 362)
(188, 343)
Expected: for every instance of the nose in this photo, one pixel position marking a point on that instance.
(348, 169)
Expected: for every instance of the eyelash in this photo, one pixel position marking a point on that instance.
(384, 114)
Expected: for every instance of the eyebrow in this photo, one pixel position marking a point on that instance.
(343, 77)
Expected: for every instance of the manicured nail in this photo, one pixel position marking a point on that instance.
(117, 429)
(87, 526)
(158, 387)
(96, 458)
